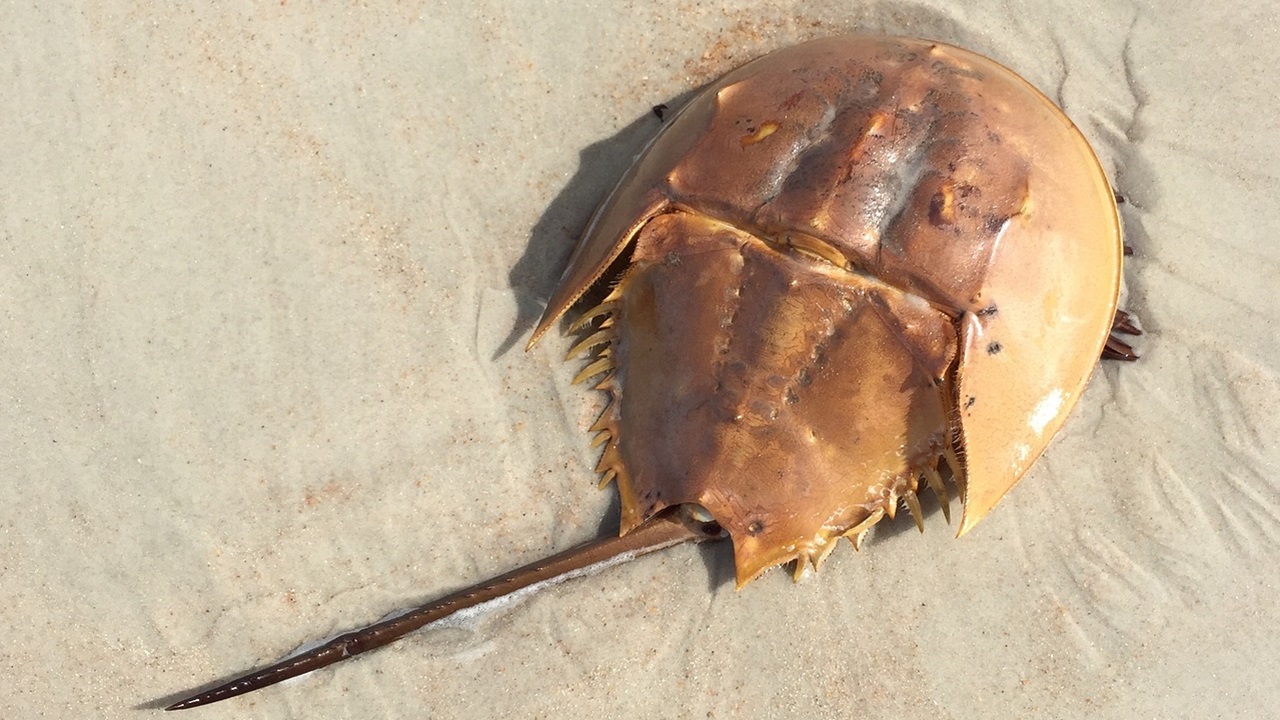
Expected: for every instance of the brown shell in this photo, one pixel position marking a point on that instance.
(854, 262)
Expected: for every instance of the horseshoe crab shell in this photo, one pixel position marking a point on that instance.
(846, 268)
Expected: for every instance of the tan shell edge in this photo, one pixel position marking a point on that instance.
(1004, 435)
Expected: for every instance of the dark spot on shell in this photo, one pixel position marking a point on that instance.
(764, 410)
(660, 110)
(994, 348)
(792, 398)
(969, 403)
(994, 223)
(755, 528)
(988, 311)
(793, 101)
(673, 259)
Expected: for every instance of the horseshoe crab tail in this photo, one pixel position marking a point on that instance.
(663, 531)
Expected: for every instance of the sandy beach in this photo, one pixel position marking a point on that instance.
(266, 276)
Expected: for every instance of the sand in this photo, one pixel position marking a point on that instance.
(266, 273)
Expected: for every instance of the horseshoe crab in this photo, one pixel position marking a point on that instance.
(845, 271)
